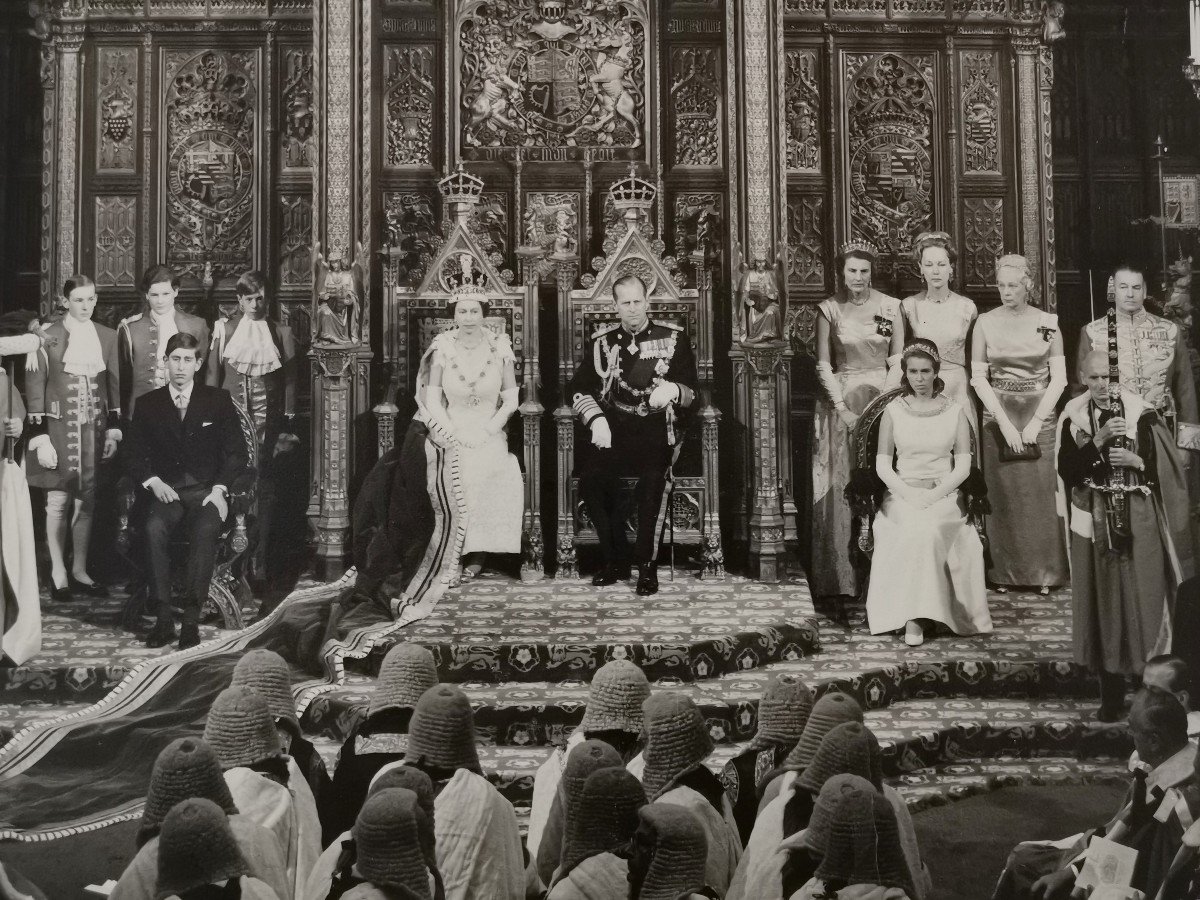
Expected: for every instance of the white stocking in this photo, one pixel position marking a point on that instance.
(57, 503)
(81, 535)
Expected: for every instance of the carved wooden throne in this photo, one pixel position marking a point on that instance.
(413, 316)
(695, 507)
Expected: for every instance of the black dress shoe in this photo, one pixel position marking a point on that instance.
(61, 594)
(159, 636)
(189, 636)
(610, 575)
(87, 590)
(647, 580)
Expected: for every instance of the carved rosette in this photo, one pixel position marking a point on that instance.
(890, 113)
(409, 78)
(802, 104)
(695, 105)
(210, 108)
(116, 109)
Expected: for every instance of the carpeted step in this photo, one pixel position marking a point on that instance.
(937, 785)
(555, 630)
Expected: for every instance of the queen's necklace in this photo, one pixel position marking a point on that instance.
(474, 399)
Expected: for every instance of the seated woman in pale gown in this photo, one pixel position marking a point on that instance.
(928, 561)
(467, 391)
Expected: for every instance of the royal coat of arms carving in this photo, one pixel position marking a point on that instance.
(545, 73)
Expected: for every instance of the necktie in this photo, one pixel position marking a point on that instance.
(182, 404)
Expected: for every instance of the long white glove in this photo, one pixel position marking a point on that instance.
(890, 477)
(601, 433)
(987, 396)
(952, 482)
(508, 405)
(894, 371)
(1058, 384)
(830, 383)
(47, 456)
(435, 412)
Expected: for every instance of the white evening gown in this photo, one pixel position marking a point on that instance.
(928, 563)
(490, 475)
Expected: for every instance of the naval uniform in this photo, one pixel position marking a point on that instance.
(614, 381)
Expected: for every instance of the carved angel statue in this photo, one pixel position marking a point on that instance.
(339, 292)
(1052, 21)
(758, 292)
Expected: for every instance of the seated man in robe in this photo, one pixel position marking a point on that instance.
(1161, 801)
(1123, 581)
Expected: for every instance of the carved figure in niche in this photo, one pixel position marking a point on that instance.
(299, 115)
(609, 82)
(564, 244)
(491, 106)
(1052, 21)
(758, 291)
(39, 11)
(339, 290)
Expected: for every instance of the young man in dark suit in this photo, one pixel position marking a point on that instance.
(186, 449)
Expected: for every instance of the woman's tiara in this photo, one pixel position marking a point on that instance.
(922, 346)
(861, 246)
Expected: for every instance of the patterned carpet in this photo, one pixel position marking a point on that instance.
(955, 716)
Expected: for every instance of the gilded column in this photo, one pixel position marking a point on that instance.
(755, 42)
(1049, 280)
(61, 61)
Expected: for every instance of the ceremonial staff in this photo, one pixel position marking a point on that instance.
(1118, 483)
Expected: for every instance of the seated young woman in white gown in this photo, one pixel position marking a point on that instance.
(469, 391)
(928, 560)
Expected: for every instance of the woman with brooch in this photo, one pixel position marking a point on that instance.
(856, 335)
(940, 315)
(467, 390)
(1018, 372)
(74, 405)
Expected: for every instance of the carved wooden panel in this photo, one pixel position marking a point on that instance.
(1064, 106)
(489, 223)
(983, 239)
(210, 110)
(807, 241)
(296, 109)
(802, 105)
(695, 105)
(116, 241)
(413, 224)
(981, 115)
(295, 239)
(116, 109)
(890, 116)
(1115, 204)
(409, 75)
(697, 223)
(1110, 78)
(551, 221)
(541, 73)
(1069, 209)
(612, 226)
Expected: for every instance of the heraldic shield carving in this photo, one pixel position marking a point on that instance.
(548, 74)
(210, 109)
(890, 116)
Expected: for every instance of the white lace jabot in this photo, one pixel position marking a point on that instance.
(251, 349)
(83, 355)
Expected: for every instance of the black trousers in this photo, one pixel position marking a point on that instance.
(200, 526)
(639, 449)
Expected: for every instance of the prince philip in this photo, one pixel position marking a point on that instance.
(635, 379)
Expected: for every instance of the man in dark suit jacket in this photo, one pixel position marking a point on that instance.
(187, 450)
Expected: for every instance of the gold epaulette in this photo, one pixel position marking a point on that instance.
(605, 329)
(670, 325)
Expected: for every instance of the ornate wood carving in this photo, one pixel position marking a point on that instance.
(116, 241)
(295, 239)
(807, 241)
(1110, 80)
(540, 74)
(612, 225)
(296, 109)
(210, 108)
(695, 105)
(1069, 207)
(890, 114)
(116, 109)
(489, 224)
(551, 221)
(859, 6)
(409, 78)
(983, 228)
(336, 43)
(414, 229)
(756, 106)
(980, 74)
(802, 104)
(1065, 109)
(697, 226)
(68, 141)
